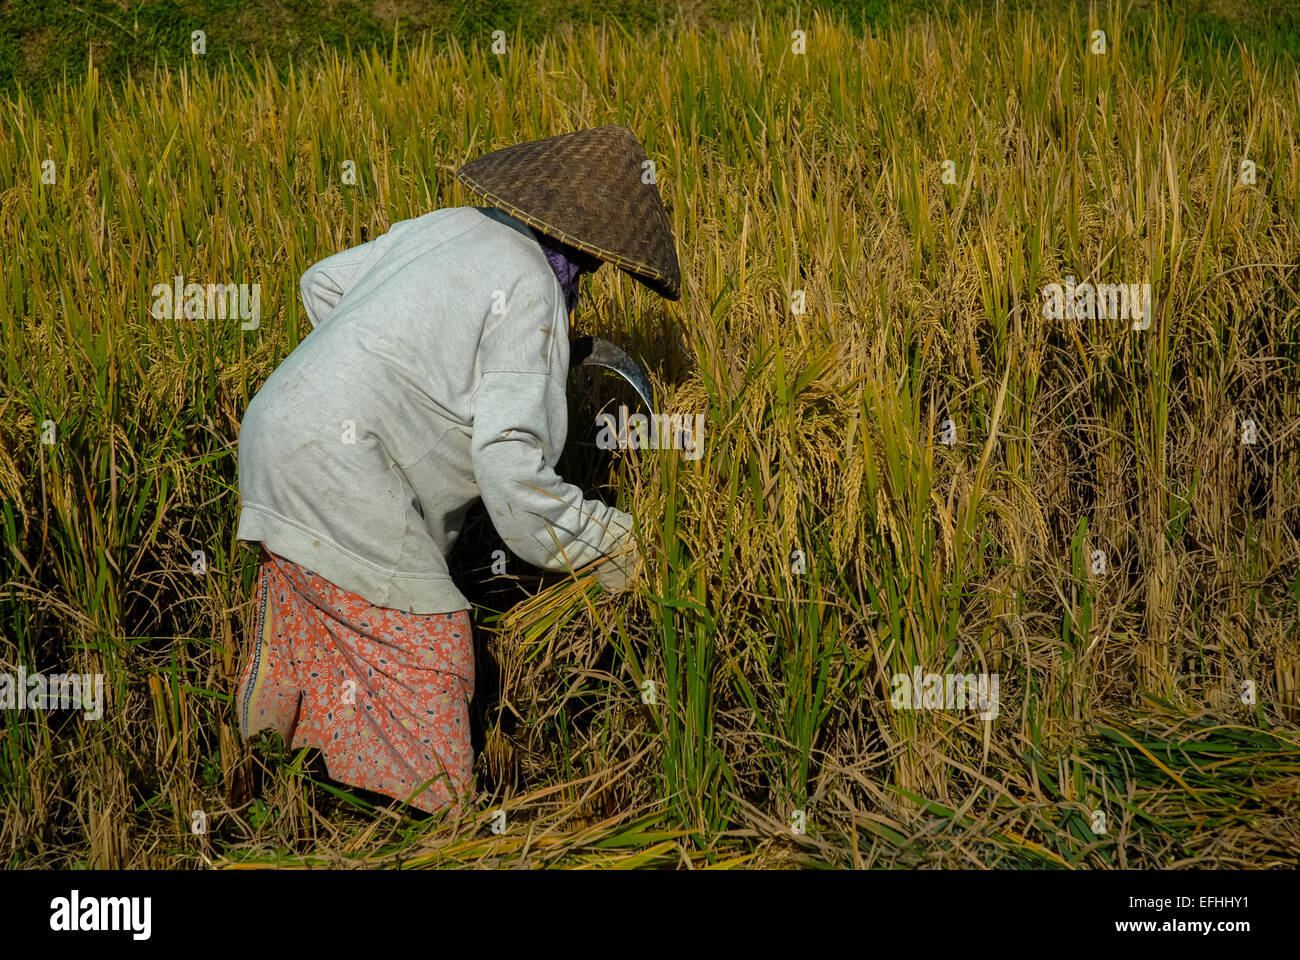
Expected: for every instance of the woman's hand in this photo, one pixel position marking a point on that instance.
(617, 572)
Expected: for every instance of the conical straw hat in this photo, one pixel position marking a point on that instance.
(585, 189)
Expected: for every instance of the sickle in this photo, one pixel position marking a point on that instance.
(594, 352)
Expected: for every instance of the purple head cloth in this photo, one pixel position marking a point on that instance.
(568, 264)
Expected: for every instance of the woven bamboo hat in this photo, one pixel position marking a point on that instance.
(585, 189)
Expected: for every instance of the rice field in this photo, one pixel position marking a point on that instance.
(910, 466)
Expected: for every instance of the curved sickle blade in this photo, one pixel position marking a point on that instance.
(594, 352)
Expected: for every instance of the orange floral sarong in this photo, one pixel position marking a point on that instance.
(384, 695)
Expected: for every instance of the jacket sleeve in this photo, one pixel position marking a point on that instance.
(326, 282)
(520, 423)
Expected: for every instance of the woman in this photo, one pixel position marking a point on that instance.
(434, 376)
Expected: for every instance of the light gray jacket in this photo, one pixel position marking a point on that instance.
(434, 375)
